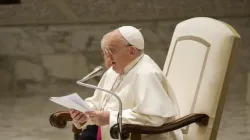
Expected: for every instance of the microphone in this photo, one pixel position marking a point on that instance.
(97, 72)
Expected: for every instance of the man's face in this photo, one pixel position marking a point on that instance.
(119, 54)
(107, 61)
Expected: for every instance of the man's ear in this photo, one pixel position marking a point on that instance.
(132, 51)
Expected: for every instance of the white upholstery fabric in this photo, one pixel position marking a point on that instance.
(196, 67)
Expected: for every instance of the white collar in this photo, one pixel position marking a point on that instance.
(132, 64)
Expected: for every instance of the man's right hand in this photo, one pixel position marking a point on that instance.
(78, 116)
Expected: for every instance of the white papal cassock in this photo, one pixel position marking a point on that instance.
(145, 97)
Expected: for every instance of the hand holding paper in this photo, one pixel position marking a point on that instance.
(78, 116)
(72, 101)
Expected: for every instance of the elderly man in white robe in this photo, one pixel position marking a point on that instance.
(138, 81)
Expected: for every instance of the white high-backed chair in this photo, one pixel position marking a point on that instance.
(197, 67)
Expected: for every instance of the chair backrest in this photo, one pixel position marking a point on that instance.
(197, 68)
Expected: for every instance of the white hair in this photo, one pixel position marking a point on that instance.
(109, 35)
(120, 37)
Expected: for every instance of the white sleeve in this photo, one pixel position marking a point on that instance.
(152, 107)
(131, 117)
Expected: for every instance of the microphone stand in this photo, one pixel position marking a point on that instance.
(115, 95)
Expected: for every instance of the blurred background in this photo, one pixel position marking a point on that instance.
(46, 45)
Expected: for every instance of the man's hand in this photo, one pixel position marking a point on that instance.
(99, 118)
(78, 116)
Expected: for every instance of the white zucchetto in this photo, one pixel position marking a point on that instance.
(133, 36)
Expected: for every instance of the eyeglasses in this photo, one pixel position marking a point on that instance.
(110, 52)
(107, 51)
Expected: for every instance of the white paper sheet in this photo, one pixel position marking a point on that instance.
(72, 101)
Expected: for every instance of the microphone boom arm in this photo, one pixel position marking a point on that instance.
(112, 93)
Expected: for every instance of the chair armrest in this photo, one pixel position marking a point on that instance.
(59, 120)
(200, 119)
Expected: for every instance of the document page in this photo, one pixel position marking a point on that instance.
(72, 101)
